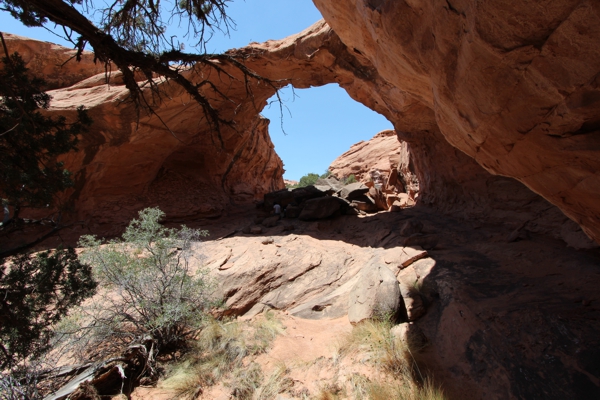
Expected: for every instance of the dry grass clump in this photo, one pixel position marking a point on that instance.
(401, 377)
(332, 392)
(276, 383)
(365, 389)
(222, 353)
(245, 380)
(374, 339)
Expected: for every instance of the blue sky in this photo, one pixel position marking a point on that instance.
(320, 123)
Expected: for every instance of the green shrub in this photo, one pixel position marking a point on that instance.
(308, 179)
(30, 141)
(350, 179)
(148, 286)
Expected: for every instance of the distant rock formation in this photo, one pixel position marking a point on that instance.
(384, 162)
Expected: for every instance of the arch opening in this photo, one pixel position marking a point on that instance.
(317, 125)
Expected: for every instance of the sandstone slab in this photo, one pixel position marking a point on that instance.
(322, 207)
(376, 294)
(402, 257)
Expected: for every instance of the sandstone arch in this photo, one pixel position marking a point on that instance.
(189, 170)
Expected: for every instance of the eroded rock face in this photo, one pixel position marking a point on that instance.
(382, 157)
(172, 159)
(500, 320)
(512, 84)
(383, 161)
(51, 62)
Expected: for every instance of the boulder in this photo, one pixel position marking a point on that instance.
(330, 185)
(375, 294)
(292, 211)
(268, 241)
(378, 198)
(351, 210)
(410, 335)
(395, 207)
(282, 197)
(423, 267)
(353, 191)
(256, 230)
(271, 221)
(391, 199)
(401, 200)
(410, 287)
(303, 194)
(402, 257)
(321, 208)
(366, 206)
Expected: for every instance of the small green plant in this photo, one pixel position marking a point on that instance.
(148, 286)
(350, 179)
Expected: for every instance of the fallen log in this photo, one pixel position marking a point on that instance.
(117, 375)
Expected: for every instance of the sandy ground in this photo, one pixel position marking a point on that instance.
(506, 319)
(307, 348)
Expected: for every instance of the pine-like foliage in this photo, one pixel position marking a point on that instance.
(30, 175)
(36, 291)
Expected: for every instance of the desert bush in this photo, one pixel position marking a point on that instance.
(148, 287)
(308, 179)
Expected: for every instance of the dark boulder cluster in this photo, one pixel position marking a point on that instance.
(327, 198)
